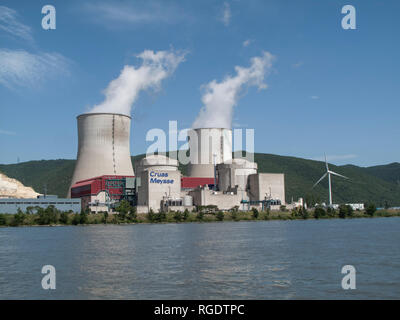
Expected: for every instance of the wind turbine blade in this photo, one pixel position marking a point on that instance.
(326, 163)
(339, 175)
(320, 179)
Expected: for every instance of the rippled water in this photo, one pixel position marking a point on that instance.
(229, 260)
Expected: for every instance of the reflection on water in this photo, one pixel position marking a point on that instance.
(238, 260)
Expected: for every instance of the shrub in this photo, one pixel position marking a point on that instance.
(342, 211)
(83, 217)
(267, 214)
(319, 212)
(76, 219)
(48, 215)
(105, 217)
(255, 213)
(283, 208)
(330, 212)
(304, 213)
(151, 216)
(370, 209)
(220, 216)
(185, 214)
(200, 216)
(132, 214)
(178, 216)
(161, 216)
(64, 218)
(3, 221)
(124, 208)
(234, 215)
(19, 217)
(350, 211)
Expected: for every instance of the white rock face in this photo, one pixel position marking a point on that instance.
(12, 188)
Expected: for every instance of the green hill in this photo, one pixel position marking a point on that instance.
(379, 184)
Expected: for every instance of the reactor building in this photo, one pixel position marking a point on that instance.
(104, 173)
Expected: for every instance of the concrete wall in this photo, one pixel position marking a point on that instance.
(12, 205)
(234, 174)
(156, 184)
(224, 201)
(267, 185)
(203, 144)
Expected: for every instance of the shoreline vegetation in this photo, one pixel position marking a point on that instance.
(126, 214)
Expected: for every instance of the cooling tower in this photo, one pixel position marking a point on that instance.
(205, 144)
(103, 146)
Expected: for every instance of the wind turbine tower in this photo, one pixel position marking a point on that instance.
(328, 173)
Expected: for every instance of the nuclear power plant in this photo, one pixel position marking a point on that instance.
(104, 175)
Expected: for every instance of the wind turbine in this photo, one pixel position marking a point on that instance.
(328, 173)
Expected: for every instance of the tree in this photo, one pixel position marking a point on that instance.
(185, 215)
(200, 216)
(83, 217)
(319, 212)
(29, 210)
(370, 209)
(342, 211)
(304, 213)
(350, 211)
(3, 221)
(123, 209)
(132, 214)
(64, 217)
(76, 219)
(178, 216)
(330, 212)
(48, 215)
(161, 216)
(151, 215)
(18, 218)
(345, 211)
(220, 216)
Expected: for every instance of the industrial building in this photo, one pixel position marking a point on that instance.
(104, 175)
(10, 205)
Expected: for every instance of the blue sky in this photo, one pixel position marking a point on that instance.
(330, 90)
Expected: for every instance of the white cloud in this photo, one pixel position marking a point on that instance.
(226, 14)
(21, 68)
(220, 98)
(115, 15)
(123, 91)
(8, 133)
(10, 24)
(314, 97)
(298, 64)
(247, 42)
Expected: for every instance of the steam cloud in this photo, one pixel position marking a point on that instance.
(220, 98)
(123, 91)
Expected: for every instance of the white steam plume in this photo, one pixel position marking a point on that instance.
(123, 91)
(220, 98)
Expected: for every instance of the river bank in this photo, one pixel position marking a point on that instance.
(65, 219)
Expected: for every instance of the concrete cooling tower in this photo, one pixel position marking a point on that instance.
(208, 146)
(103, 146)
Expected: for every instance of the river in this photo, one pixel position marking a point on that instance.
(226, 260)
